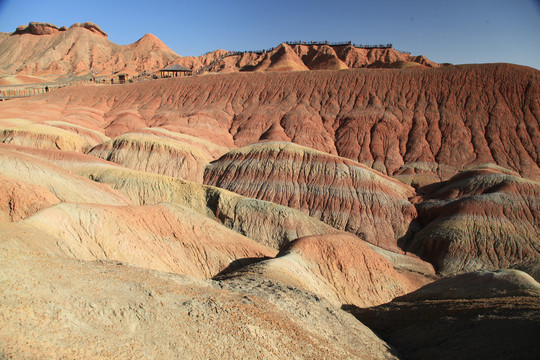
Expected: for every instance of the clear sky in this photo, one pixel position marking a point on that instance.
(454, 31)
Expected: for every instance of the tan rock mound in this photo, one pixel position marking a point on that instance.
(340, 192)
(480, 284)
(68, 160)
(283, 58)
(267, 223)
(155, 154)
(162, 237)
(57, 307)
(338, 267)
(90, 26)
(210, 147)
(484, 218)
(44, 137)
(64, 185)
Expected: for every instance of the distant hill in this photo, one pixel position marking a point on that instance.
(42, 49)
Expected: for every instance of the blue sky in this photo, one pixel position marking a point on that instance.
(472, 31)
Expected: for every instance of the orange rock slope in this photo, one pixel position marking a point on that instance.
(340, 192)
(420, 125)
(484, 218)
(45, 49)
(117, 207)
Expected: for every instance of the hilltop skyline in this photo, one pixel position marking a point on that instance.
(458, 32)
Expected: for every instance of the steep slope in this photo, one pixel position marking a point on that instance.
(281, 59)
(161, 237)
(340, 192)
(337, 267)
(44, 49)
(19, 199)
(421, 125)
(156, 154)
(300, 57)
(483, 218)
(323, 58)
(55, 307)
(481, 315)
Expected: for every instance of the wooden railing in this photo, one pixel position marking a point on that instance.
(9, 92)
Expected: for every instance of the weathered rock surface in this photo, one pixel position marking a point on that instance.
(52, 306)
(480, 284)
(421, 125)
(42, 136)
(482, 315)
(301, 57)
(78, 49)
(37, 28)
(162, 237)
(484, 218)
(65, 186)
(156, 154)
(268, 223)
(338, 267)
(340, 192)
(19, 199)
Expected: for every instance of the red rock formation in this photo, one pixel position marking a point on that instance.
(340, 192)
(79, 49)
(338, 267)
(298, 57)
(420, 125)
(485, 218)
(19, 199)
(281, 59)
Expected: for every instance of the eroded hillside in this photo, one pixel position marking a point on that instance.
(240, 215)
(418, 125)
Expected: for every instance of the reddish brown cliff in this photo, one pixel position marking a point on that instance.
(418, 124)
(484, 218)
(340, 192)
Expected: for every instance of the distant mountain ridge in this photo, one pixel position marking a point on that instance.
(43, 49)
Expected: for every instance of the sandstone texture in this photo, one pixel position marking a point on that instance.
(481, 315)
(64, 185)
(483, 218)
(340, 192)
(338, 267)
(419, 125)
(247, 213)
(44, 49)
(268, 223)
(302, 57)
(51, 306)
(156, 154)
(161, 237)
